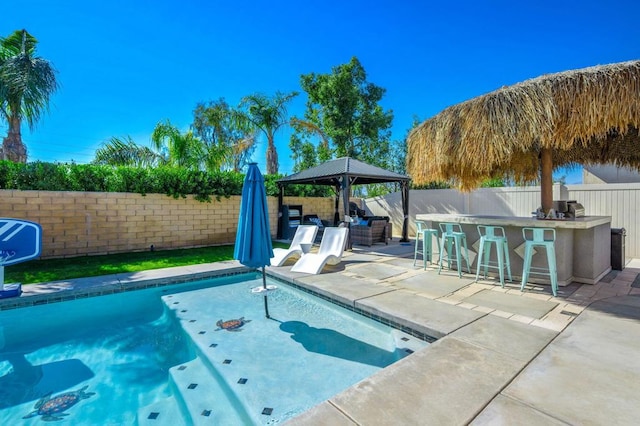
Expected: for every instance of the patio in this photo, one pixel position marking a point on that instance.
(502, 356)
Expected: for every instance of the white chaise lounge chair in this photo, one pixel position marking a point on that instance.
(305, 234)
(331, 249)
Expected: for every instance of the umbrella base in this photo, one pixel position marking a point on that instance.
(263, 289)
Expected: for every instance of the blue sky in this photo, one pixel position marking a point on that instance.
(126, 65)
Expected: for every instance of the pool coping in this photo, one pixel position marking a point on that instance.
(81, 288)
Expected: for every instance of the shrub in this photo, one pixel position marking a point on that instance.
(173, 181)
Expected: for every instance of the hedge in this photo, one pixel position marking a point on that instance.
(173, 181)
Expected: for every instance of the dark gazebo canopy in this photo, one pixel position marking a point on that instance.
(342, 173)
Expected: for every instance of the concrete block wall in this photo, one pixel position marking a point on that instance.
(92, 223)
(323, 207)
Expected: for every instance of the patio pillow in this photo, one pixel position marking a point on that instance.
(317, 221)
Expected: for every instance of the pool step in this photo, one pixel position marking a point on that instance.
(161, 413)
(200, 396)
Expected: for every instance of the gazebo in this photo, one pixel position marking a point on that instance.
(523, 132)
(342, 173)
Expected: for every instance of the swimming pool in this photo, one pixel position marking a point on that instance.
(197, 353)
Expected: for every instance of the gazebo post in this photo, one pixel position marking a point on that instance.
(280, 201)
(346, 191)
(404, 189)
(336, 214)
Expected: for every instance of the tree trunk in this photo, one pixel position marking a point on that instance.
(546, 179)
(272, 156)
(12, 147)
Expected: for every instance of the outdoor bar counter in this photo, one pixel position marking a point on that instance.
(583, 245)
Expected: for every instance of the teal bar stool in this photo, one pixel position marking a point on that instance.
(540, 237)
(493, 235)
(454, 236)
(424, 243)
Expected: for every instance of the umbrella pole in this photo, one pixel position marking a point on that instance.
(264, 279)
(264, 285)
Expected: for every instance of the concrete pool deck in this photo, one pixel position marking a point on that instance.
(502, 356)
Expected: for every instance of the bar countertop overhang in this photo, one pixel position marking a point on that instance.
(583, 244)
(584, 222)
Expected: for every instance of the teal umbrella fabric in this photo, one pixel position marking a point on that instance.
(253, 240)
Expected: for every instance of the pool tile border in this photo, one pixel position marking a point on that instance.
(67, 294)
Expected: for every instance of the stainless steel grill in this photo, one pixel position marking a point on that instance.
(574, 209)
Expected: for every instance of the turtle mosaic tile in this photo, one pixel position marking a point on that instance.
(192, 320)
(153, 416)
(206, 413)
(213, 345)
(192, 386)
(52, 407)
(267, 411)
(242, 381)
(226, 361)
(202, 332)
(232, 325)
(182, 367)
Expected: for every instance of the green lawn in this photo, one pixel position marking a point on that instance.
(38, 271)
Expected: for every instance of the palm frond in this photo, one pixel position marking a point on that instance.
(125, 152)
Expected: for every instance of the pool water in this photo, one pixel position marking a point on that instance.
(204, 350)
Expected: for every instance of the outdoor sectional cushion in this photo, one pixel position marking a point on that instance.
(313, 219)
(375, 232)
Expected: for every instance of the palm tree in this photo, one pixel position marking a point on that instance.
(268, 115)
(227, 135)
(179, 149)
(125, 152)
(26, 84)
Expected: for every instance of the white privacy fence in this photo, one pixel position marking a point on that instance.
(620, 201)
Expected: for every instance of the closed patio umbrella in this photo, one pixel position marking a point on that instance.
(253, 240)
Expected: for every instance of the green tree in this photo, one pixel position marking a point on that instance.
(268, 115)
(345, 106)
(303, 153)
(125, 152)
(227, 135)
(27, 82)
(177, 148)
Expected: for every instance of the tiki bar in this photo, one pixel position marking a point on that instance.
(521, 134)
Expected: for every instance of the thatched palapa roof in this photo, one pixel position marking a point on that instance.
(587, 116)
